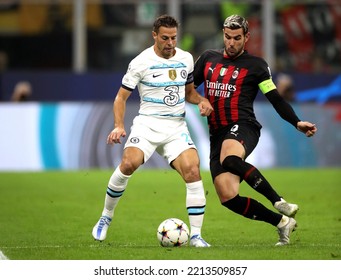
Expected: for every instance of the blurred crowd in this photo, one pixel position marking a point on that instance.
(307, 36)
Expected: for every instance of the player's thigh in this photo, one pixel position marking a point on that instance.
(139, 143)
(231, 147)
(240, 140)
(177, 144)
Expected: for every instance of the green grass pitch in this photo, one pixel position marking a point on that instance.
(50, 215)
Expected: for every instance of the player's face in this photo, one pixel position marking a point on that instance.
(165, 41)
(234, 41)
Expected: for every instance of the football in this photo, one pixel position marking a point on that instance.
(173, 232)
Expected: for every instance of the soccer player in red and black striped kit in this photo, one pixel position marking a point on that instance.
(232, 78)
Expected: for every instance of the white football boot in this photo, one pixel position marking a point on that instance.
(285, 231)
(198, 241)
(99, 232)
(287, 209)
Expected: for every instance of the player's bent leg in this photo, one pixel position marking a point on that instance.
(249, 208)
(251, 175)
(260, 184)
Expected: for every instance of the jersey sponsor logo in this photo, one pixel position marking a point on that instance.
(173, 96)
(221, 86)
(220, 89)
(156, 75)
(172, 74)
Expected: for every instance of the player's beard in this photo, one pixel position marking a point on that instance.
(235, 53)
(168, 52)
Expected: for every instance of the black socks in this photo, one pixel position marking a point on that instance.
(251, 175)
(252, 209)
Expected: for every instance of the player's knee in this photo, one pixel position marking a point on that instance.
(188, 167)
(227, 195)
(231, 163)
(235, 165)
(191, 173)
(128, 167)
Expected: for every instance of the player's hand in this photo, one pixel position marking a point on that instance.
(205, 107)
(307, 128)
(115, 135)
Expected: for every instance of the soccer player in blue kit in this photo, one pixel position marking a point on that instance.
(232, 78)
(163, 75)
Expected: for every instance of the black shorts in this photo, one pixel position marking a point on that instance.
(246, 133)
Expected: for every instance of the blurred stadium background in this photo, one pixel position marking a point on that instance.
(70, 55)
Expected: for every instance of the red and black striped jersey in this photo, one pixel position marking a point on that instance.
(231, 85)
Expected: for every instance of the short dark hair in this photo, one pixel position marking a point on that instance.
(165, 21)
(236, 22)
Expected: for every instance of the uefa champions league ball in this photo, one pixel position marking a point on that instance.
(173, 232)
